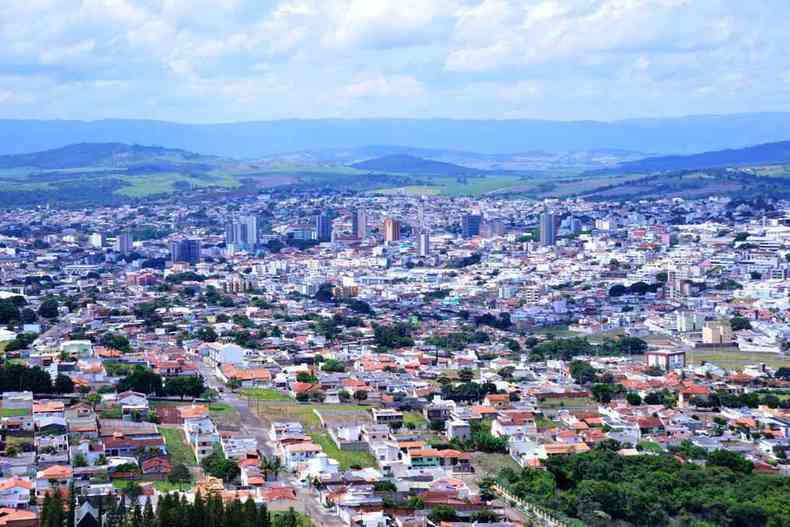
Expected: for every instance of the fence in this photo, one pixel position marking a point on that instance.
(542, 515)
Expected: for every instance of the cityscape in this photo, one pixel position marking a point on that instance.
(446, 263)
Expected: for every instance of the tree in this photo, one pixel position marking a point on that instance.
(63, 384)
(179, 474)
(466, 375)
(344, 396)
(582, 372)
(385, 486)
(332, 365)
(633, 399)
(217, 465)
(48, 308)
(116, 341)
(442, 513)
(207, 334)
(28, 316)
(730, 460)
(305, 377)
(142, 380)
(740, 323)
(360, 395)
(603, 393)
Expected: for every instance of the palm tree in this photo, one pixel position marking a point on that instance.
(271, 466)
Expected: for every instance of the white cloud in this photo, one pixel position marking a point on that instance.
(256, 59)
(381, 86)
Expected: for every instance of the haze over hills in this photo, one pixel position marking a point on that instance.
(406, 164)
(98, 154)
(764, 154)
(680, 135)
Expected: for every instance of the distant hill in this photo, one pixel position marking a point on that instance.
(765, 154)
(97, 154)
(677, 135)
(406, 164)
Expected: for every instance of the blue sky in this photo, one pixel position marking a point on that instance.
(231, 60)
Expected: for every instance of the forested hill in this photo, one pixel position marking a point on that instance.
(96, 154)
(764, 154)
(406, 164)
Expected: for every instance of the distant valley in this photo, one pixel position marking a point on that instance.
(86, 173)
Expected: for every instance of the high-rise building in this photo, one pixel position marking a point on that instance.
(548, 229)
(97, 240)
(242, 231)
(391, 230)
(123, 244)
(470, 225)
(323, 227)
(185, 250)
(423, 244)
(359, 224)
(249, 225)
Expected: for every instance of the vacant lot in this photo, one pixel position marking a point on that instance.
(224, 415)
(302, 413)
(347, 459)
(177, 445)
(264, 394)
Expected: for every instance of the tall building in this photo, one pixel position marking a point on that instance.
(242, 231)
(548, 229)
(470, 225)
(323, 227)
(185, 251)
(391, 230)
(359, 224)
(423, 244)
(249, 225)
(123, 244)
(97, 240)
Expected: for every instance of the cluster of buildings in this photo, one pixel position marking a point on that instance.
(406, 337)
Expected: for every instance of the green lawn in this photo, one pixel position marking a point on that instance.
(347, 459)
(177, 446)
(544, 422)
(161, 486)
(563, 402)
(731, 358)
(13, 412)
(414, 418)
(265, 394)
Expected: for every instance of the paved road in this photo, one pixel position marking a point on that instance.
(252, 425)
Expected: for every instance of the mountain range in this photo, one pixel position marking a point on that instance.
(250, 140)
(765, 154)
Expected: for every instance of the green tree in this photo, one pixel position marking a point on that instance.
(48, 308)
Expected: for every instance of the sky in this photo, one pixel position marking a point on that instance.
(240, 60)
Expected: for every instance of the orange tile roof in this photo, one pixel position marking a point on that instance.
(56, 472)
(193, 411)
(15, 481)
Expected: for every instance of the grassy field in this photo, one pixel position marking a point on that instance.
(302, 413)
(177, 446)
(544, 422)
(489, 464)
(265, 394)
(224, 415)
(161, 486)
(732, 358)
(415, 418)
(558, 330)
(14, 412)
(563, 402)
(346, 458)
